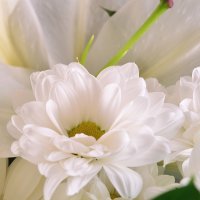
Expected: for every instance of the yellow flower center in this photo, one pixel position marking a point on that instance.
(114, 195)
(88, 128)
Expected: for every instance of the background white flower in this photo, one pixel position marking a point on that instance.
(78, 125)
(186, 145)
(170, 49)
(40, 33)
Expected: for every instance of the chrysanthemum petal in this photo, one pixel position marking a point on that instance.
(127, 182)
(52, 183)
(118, 73)
(75, 184)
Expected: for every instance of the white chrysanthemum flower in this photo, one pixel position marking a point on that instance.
(186, 146)
(78, 125)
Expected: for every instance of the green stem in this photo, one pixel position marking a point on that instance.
(160, 9)
(86, 50)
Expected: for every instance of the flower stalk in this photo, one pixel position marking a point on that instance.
(163, 6)
(86, 50)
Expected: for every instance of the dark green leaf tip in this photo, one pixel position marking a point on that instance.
(188, 192)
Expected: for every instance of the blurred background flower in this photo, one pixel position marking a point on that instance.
(39, 33)
(169, 49)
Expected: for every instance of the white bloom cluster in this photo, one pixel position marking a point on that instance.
(186, 145)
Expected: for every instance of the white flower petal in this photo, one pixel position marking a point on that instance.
(14, 79)
(154, 153)
(194, 164)
(35, 144)
(6, 140)
(57, 156)
(168, 122)
(28, 40)
(15, 126)
(98, 189)
(35, 113)
(114, 140)
(60, 194)
(132, 113)
(59, 30)
(41, 83)
(126, 181)
(28, 177)
(196, 97)
(118, 73)
(186, 168)
(84, 139)
(196, 75)
(76, 166)
(7, 55)
(156, 102)
(75, 184)
(54, 115)
(68, 105)
(110, 103)
(52, 183)
(71, 111)
(68, 145)
(153, 85)
(146, 149)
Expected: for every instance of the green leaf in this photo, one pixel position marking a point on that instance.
(188, 192)
(86, 50)
(109, 12)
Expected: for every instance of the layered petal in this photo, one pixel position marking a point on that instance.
(127, 182)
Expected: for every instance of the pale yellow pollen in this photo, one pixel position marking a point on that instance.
(88, 128)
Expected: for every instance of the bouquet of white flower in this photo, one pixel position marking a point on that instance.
(93, 127)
